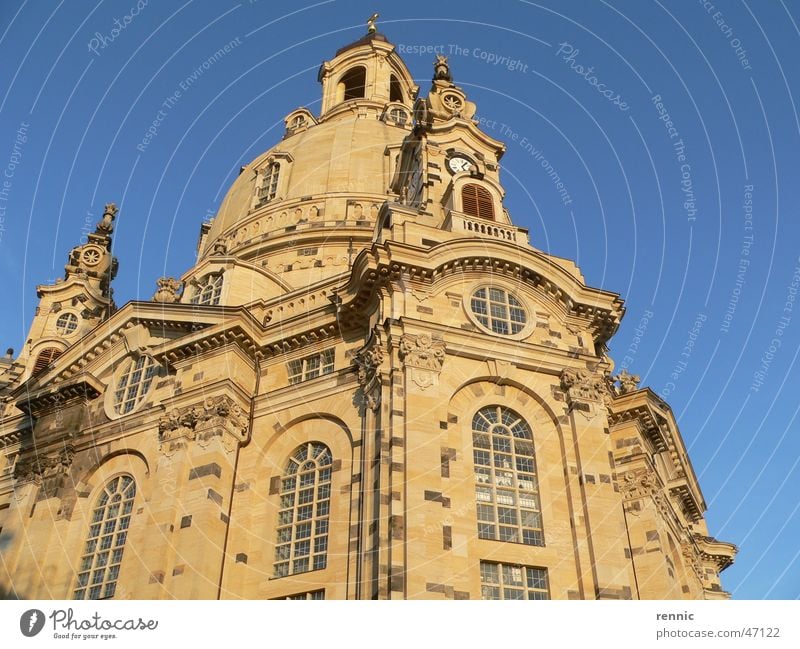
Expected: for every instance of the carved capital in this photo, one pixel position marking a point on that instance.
(583, 385)
(44, 467)
(638, 484)
(215, 417)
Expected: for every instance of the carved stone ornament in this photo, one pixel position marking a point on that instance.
(691, 558)
(643, 483)
(168, 291)
(44, 466)
(625, 382)
(441, 69)
(424, 358)
(583, 385)
(220, 248)
(367, 363)
(218, 417)
(422, 351)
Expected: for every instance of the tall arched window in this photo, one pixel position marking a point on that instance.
(305, 503)
(269, 187)
(45, 357)
(98, 570)
(477, 201)
(352, 85)
(506, 486)
(209, 290)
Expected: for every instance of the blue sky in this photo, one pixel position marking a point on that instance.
(673, 127)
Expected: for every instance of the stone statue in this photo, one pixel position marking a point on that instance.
(371, 28)
(441, 70)
(106, 224)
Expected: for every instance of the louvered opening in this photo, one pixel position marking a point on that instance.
(477, 201)
(45, 357)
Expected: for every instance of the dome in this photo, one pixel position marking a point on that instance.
(327, 163)
(333, 168)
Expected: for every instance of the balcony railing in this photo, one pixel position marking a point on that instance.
(459, 222)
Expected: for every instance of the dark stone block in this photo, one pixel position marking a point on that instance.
(207, 469)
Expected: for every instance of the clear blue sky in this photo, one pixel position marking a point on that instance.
(654, 211)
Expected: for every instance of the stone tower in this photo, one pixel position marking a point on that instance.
(370, 385)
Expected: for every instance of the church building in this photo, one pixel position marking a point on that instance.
(370, 385)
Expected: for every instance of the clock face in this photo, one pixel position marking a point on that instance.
(458, 163)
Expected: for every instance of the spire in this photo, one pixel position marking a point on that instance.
(93, 260)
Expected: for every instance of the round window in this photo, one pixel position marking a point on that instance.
(133, 382)
(66, 324)
(498, 310)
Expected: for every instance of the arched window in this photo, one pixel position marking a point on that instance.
(66, 324)
(395, 91)
(506, 486)
(45, 357)
(353, 83)
(209, 290)
(477, 201)
(305, 502)
(269, 187)
(98, 570)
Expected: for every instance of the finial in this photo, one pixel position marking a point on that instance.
(441, 70)
(106, 224)
(371, 28)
